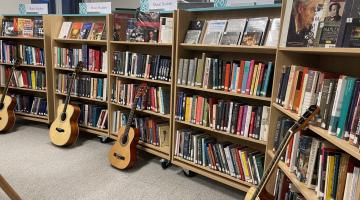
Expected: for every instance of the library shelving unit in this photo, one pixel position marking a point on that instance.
(337, 60)
(164, 49)
(224, 52)
(77, 43)
(45, 43)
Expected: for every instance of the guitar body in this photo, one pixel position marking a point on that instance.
(7, 114)
(123, 156)
(65, 132)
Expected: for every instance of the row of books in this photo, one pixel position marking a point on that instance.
(144, 27)
(318, 164)
(31, 79)
(151, 131)
(147, 66)
(84, 86)
(156, 99)
(30, 105)
(249, 32)
(238, 76)
(93, 115)
(22, 27)
(333, 24)
(30, 55)
(338, 97)
(228, 116)
(79, 30)
(237, 161)
(94, 59)
(284, 188)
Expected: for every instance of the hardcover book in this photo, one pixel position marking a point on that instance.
(194, 31)
(120, 25)
(234, 31)
(75, 30)
(38, 28)
(273, 34)
(8, 28)
(97, 31)
(64, 31)
(132, 32)
(255, 31)
(148, 24)
(85, 30)
(214, 31)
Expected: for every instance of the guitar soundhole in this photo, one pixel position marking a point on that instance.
(63, 116)
(1, 106)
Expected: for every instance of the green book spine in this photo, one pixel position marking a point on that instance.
(265, 85)
(345, 106)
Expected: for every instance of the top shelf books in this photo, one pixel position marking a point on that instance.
(83, 30)
(22, 27)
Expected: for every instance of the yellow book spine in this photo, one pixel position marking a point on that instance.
(187, 109)
(330, 176)
(256, 69)
(33, 79)
(244, 165)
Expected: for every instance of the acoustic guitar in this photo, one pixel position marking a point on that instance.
(64, 131)
(259, 193)
(123, 153)
(7, 104)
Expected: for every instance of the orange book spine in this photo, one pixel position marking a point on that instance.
(227, 76)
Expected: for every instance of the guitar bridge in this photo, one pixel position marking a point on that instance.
(119, 156)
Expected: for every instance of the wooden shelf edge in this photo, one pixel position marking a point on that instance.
(25, 89)
(83, 71)
(267, 99)
(305, 191)
(142, 79)
(142, 43)
(224, 133)
(154, 152)
(155, 148)
(31, 118)
(20, 38)
(25, 65)
(81, 41)
(340, 143)
(84, 98)
(324, 51)
(166, 116)
(31, 115)
(85, 129)
(212, 174)
(230, 48)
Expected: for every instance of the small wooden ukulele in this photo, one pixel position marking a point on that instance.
(258, 193)
(7, 104)
(64, 131)
(123, 153)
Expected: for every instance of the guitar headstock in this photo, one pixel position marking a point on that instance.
(17, 63)
(79, 67)
(141, 90)
(309, 115)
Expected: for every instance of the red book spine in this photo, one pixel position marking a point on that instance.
(198, 110)
(251, 73)
(252, 124)
(227, 76)
(239, 122)
(238, 160)
(287, 161)
(240, 76)
(25, 79)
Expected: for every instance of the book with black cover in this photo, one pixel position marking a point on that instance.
(234, 31)
(149, 25)
(194, 31)
(8, 28)
(38, 28)
(352, 26)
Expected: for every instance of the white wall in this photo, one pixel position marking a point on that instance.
(12, 6)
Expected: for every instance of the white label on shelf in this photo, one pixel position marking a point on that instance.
(41, 9)
(99, 8)
(162, 5)
(230, 3)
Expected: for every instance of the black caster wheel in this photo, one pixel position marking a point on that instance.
(189, 173)
(165, 163)
(104, 139)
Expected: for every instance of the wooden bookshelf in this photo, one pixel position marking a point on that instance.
(45, 43)
(77, 43)
(225, 52)
(165, 49)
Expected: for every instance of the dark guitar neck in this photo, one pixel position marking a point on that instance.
(68, 93)
(131, 116)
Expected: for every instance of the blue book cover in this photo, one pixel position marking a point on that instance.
(85, 30)
(85, 51)
(245, 76)
(266, 80)
(345, 106)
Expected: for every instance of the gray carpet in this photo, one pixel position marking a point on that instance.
(38, 170)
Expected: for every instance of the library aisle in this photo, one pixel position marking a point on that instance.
(32, 165)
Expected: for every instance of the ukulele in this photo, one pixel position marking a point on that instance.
(64, 131)
(123, 153)
(257, 193)
(7, 104)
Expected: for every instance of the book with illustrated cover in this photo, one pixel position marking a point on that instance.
(28, 28)
(85, 30)
(234, 32)
(166, 30)
(214, 31)
(38, 28)
(64, 31)
(120, 25)
(329, 27)
(75, 30)
(194, 31)
(352, 26)
(97, 31)
(273, 34)
(148, 24)
(131, 30)
(8, 28)
(255, 31)
(19, 26)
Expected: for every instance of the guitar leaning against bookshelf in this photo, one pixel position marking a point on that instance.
(64, 131)
(257, 193)
(123, 153)
(7, 104)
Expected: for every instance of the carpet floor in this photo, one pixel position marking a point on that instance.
(40, 171)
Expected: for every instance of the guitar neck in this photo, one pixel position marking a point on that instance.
(68, 94)
(131, 115)
(7, 85)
